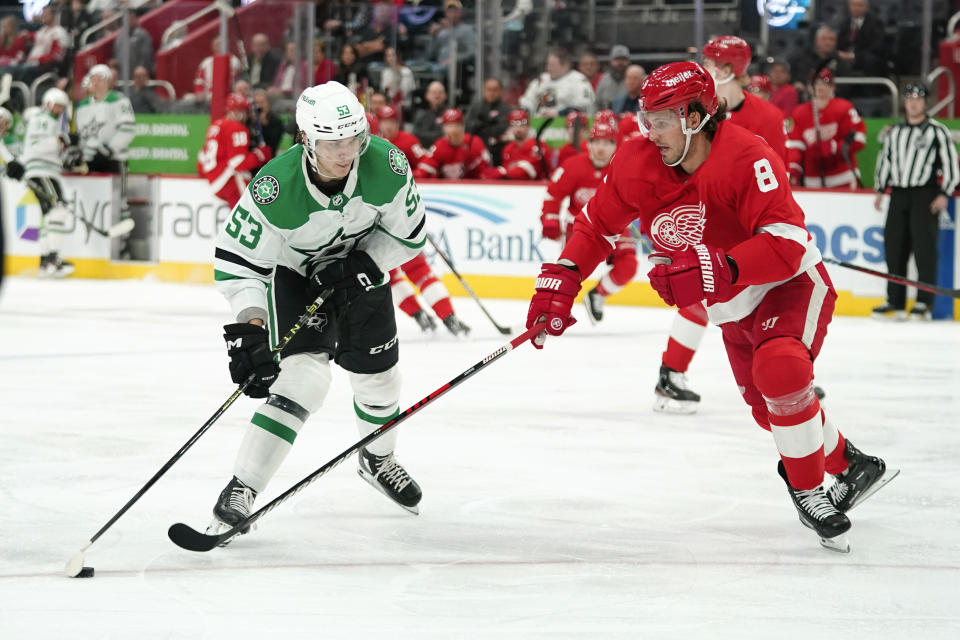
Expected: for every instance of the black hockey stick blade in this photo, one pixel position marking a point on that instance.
(192, 540)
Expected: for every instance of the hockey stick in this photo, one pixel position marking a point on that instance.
(122, 228)
(816, 126)
(845, 153)
(923, 286)
(75, 564)
(504, 330)
(190, 539)
(536, 141)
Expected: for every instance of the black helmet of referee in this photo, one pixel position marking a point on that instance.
(916, 90)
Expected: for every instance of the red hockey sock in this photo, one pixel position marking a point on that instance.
(834, 444)
(687, 331)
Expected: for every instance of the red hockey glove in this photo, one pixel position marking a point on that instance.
(556, 287)
(493, 173)
(551, 225)
(686, 277)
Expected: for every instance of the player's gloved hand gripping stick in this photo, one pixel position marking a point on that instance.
(74, 567)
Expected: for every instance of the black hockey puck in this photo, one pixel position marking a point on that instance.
(86, 572)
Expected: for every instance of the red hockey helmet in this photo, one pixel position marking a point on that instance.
(824, 75)
(518, 118)
(573, 116)
(452, 116)
(237, 102)
(675, 86)
(606, 115)
(387, 112)
(759, 83)
(729, 50)
(603, 131)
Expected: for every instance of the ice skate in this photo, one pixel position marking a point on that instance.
(53, 266)
(234, 504)
(425, 321)
(386, 475)
(920, 312)
(593, 301)
(887, 311)
(817, 513)
(456, 326)
(864, 477)
(673, 395)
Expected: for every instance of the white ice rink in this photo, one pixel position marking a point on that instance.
(556, 503)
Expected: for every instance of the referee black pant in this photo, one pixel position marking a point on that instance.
(911, 228)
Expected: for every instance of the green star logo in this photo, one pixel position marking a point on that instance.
(265, 190)
(398, 162)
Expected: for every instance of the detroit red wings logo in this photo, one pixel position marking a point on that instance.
(680, 227)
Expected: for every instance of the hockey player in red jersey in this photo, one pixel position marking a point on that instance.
(628, 128)
(523, 157)
(715, 201)
(726, 58)
(576, 123)
(226, 159)
(455, 156)
(390, 130)
(827, 133)
(434, 293)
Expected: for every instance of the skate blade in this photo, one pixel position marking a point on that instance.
(217, 526)
(663, 404)
(881, 482)
(839, 544)
(415, 509)
(593, 321)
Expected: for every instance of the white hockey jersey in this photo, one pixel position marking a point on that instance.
(572, 90)
(105, 122)
(42, 146)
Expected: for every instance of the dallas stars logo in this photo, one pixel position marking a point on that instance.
(398, 162)
(337, 200)
(265, 190)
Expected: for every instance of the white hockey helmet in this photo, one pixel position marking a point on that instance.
(53, 97)
(97, 71)
(330, 111)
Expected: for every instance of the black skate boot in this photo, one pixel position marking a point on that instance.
(920, 312)
(820, 393)
(425, 321)
(386, 475)
(53, 266)
(887, 311)
(864, 477)
(672, 393)
(817, 513)
(593, 301)
(234, 504)
(456, 326)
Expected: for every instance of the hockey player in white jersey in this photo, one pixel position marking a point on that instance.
(338, 210)
(105, 123)
(42, 161)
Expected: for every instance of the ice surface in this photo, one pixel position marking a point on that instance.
(556, 503)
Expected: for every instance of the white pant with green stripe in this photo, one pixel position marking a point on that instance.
(299, 391)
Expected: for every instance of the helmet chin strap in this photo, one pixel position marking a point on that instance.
(729, 78)
(689, 134)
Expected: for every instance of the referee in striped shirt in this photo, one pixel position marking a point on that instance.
(915, 153)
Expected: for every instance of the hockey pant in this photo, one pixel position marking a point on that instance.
(54, 213)
(623, 266)
(431, 288)
(771, 353)
(361, 338)
(687, 331)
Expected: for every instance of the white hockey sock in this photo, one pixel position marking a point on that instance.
(266, 443)
(371, 418)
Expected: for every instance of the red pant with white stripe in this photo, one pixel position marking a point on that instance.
(771, 353)
(432, 290)
(623, 266)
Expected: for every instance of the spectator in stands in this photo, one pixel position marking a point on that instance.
(242, 85)
(613, 82)
(324, 69)
(382, 32)
(375, 102)
(428, 123)
(455, 156)
(285, 83)
(270, 125)
(390, 130)
(50, 44)
(76, 20)
(14, 43)
(589, 66)
(559, 89)
(783, 95)
(396, 80)
(861, 41)
(262, 61)
(453, 30)
(141, 44)
(629, 101)
(351, 73)
(203, 81)
(143, 98)
(823, 55)
(487, 118)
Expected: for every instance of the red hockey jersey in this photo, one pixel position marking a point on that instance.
(410, 145)
(444, 160)
(226, 160)
(567, 151)
(576, 179)
(818, 156)
(526, 160)
(762, 118)
(739, 199)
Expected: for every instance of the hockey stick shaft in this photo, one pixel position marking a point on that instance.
(192, 540)
(932, 288)
(504, 330)
(75, 564)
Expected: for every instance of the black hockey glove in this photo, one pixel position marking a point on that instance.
(72, 157)
(15, 170)
(249, 350)
(350, 277)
